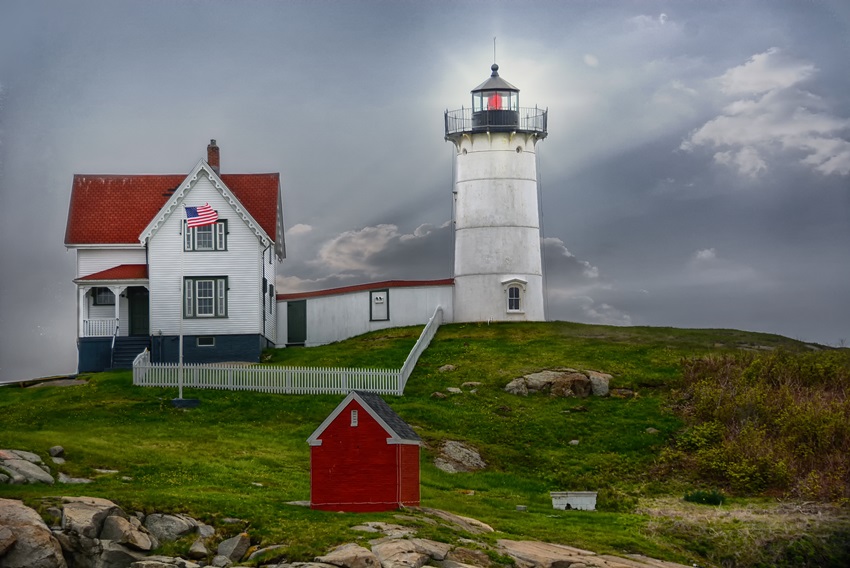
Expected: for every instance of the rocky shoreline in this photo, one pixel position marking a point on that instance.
(90, 532)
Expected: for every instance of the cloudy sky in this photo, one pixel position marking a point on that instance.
(696, 173)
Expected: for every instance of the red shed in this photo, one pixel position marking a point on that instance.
(364, 457)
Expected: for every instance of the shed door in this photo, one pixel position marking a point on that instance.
(296, 322)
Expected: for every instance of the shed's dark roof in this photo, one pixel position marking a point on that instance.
(388, 415)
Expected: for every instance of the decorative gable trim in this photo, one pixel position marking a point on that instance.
(394, 437)
(175, 202)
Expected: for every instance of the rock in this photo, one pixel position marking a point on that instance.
(123, 531)
(598, 382)
(458, 457)
(528, 554)
(72, 480)
(27, 456)
(350, 556)
(234, 548)
(221, 561)
(469, 384)
(517, 386)
(454, 390)
(56, 452)
(267, 553)
(574, 442)
(438, 395)
(466, 557)
(115, 555)
(467, 524)
(169, 527)
(622, 393)
(163, 562)
(85, 515)
(29, 469)
(570, 384)
(536, 382)
(198, 550)
(33, 546)
(447, 368)
(4, 478)
(206, 531)
(399, 554)
(652, 431)
(7, 539)
(58, 461)
(435, 550)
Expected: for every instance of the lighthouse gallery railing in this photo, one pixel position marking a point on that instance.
(526, 119)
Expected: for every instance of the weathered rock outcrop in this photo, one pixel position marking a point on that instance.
(455, 457)
(563, 382)
(31, 544)
(96, 533)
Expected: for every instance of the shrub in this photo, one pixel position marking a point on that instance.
(702, 497)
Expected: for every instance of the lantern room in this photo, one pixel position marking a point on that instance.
(495, 104)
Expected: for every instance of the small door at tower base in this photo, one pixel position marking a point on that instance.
(364, 458)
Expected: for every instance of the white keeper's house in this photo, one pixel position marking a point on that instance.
(145, 280)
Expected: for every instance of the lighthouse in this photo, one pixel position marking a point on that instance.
(498, 268)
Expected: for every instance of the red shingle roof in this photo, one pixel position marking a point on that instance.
(115, 209)
(362, 287)
(121, 272)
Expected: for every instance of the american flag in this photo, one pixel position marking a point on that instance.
(200, 216)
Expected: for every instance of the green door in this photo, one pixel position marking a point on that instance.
(139, 301)
(296, 322)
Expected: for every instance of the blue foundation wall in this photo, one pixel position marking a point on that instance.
(166, 349)
(94, 354)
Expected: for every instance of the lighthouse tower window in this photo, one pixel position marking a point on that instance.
(514, 299)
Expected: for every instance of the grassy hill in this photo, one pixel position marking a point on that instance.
(244, 455)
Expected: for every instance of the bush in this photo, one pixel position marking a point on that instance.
(712, 497)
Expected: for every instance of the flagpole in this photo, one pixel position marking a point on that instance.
(181, 303)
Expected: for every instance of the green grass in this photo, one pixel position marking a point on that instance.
(206, 462)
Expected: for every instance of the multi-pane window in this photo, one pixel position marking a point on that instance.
(103, 297)
(211, 237)
(205, 297)
(514, 299)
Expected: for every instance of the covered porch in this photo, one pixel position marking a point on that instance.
(113, 323)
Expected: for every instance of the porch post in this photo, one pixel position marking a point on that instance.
(82, 310)
(116, 290)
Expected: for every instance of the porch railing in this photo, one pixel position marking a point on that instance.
(285, 380)
(101, 327)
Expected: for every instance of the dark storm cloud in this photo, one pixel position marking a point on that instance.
(674, 129)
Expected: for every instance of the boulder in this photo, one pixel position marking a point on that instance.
(169, 527)
(124, 531)
(461, 556)
(350, 556)
(454, 390)
(446, 368)
(267, 553)
(28, 469)
(56, 452)
(27, 456)
(115, 555)
(399, 553)
(570, 384)
(517, 386)
(85, 515)
(221, 561)
(234, 548)
(532, 554)
(7, 539)
(198, 550)
(458, 457)
(599, 382)
(31, 544)
(435, 550)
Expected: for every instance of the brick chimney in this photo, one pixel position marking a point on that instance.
(213, 157)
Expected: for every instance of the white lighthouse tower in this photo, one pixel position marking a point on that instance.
(498, 270)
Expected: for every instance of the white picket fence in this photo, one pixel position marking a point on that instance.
(285, 380)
